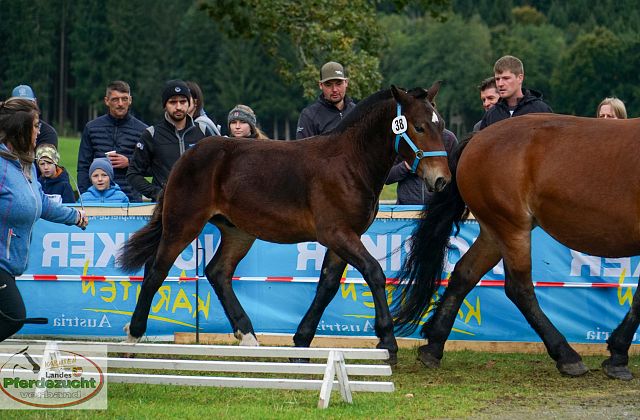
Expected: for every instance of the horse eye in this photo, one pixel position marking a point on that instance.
(418, 129)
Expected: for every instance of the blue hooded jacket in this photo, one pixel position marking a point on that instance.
(22, 203)
(113, 195)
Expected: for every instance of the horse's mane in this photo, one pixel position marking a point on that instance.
(362, 109)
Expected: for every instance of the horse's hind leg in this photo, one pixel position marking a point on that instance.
(519, 288)
(479, 259)
(328, 285)
(234, 245)
(620, 340)
(154, 274)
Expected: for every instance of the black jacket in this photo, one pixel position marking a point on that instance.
(105, 134)
(529, 103)
(411, 188)
(59, 185)
(159, 148)
(47, 134)
(321, 117)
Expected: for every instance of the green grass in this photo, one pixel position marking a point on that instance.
(68, 148)
(469, 384)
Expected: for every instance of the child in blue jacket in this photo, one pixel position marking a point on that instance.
(103, 188)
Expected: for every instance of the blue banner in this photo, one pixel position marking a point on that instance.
(276, 284)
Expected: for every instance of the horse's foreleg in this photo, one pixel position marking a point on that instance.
(519, 289)
(479, 259)
(349, 248)
(328, 285)
(234, 245)
(620, 340)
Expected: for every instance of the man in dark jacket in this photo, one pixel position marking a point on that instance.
(161, 145)
(113, 135)
(331, 106)
(46, 134)
(514, 101)
(411, 188)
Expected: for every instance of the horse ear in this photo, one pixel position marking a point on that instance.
(433, 91)
(398, 94)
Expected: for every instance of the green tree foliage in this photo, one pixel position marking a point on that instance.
(599, 64)
(266, 52)
(540, 47)
(30, 48)
(456, 51)
(319, 31)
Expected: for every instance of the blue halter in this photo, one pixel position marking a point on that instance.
(419, 153)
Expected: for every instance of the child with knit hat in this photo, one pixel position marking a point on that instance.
(242, 123)
(53, 178)
(103, 188)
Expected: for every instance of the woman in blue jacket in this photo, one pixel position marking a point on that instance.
(22, 203)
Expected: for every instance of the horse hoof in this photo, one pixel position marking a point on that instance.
(616, 372)
(249, 340)
(427, 359)
(572, 369)
(392, 360)
(130, 338)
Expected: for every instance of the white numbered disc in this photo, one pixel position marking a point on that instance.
(399, 124)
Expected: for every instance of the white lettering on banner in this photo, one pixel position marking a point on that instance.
(86, 249)
(579, 260)
(310, 251)
(55, 245)
(597, 335)
(110, 248)
(463, 246)
(396, 252)
(377, 250)
(624, 266)
(598, 266)
(74, 321)
(75, 249)
(385, 249)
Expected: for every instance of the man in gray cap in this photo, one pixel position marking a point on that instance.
(46, 134)
(331, 106)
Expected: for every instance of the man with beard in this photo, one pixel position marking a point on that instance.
(113, 135)
(161, 145)
(331, 106)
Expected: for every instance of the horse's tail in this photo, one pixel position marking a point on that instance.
(143, 244)
(421, 272)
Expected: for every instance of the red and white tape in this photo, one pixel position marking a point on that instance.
(277, 279)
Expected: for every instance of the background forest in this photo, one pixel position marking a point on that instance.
(266, 53)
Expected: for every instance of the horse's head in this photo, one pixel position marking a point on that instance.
(418, 128)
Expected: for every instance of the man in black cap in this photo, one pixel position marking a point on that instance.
(161, 145)
(331, 106)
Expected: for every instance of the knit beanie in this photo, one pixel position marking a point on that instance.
(47, 151)
(173, 88)
(104, 164)
(243, 113)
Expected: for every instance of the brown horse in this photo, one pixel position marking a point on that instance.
(576, 178)
(323, 189)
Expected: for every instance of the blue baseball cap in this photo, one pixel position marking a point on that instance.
(24, 91)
